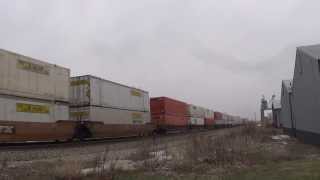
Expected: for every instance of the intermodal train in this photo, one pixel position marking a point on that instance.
(39, 101)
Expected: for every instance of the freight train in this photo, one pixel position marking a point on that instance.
(39, 101)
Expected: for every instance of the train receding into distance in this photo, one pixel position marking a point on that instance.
(39, 101)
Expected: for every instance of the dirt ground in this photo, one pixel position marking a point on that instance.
(224, 154)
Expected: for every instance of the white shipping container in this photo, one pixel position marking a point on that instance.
(24, 110)
(196, 121)
(27, 77)
(225, 120)
(109, 115)
(90, 90)
(197, 111)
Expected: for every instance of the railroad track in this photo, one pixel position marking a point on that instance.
(63, 144)
(90, 142)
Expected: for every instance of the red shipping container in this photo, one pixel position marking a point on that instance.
(169, 120)
(168, 106)
(209, 121)
(218, 115)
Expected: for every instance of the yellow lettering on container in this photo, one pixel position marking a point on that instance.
(30, 108)
(80, 82)
(135, 93)
(36, 68)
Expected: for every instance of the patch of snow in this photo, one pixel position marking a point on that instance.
(125, 165)
(161, 155)
(280, 137)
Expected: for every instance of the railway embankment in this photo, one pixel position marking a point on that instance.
(238, 153)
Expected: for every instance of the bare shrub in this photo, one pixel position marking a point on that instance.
(241, 148)
(151, 155)
(143, 151)
(105, 166)
(3, 167)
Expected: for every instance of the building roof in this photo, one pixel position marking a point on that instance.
(287, 84)
(313, 50)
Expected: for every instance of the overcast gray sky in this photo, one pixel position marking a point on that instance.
(219, 54)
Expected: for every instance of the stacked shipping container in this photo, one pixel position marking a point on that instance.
(169, 113)
(110, 109)
(34, 105)
(225, 120)
(33, 94)
(197, 116)
(209, 118)
(221, 119)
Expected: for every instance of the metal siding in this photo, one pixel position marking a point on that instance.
(62, 83)
(111, 116)
(196, 121)
(168, 106)
(170, 120)
(8, 111)
(285, 115)
(146, 102)
(27, 83)
(224, 119)
(61, 112)
(80, 113)
(80, 94)
(306, 97)
(106, 94)
(3, 69)
(196, 111)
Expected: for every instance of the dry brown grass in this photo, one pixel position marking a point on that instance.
(149, 155)
(242, 147)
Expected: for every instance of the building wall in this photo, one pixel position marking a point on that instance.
(285, 115)
(306, 93)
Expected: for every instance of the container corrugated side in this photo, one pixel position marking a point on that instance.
(24, 110)
(222, 119)
(209, 121)
(168, 106)
(222, 122)
(217, 116)
(89, 90)
(197, 111)
(27, 77)
(109, 115)
(170, 120)
(80, 91)
(196, 121)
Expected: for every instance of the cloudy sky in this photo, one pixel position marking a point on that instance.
(218, 54)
